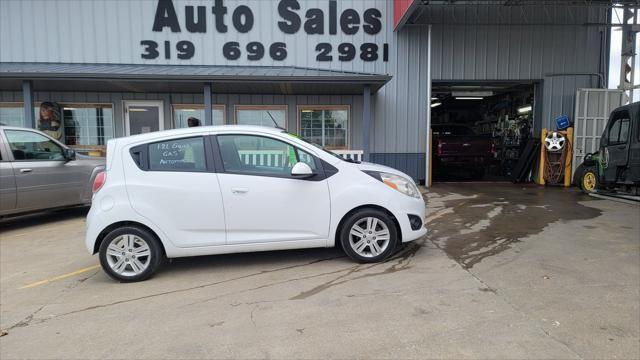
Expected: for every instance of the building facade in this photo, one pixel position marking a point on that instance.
(348, 74)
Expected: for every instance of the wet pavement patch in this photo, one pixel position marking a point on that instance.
(475, 221)
(398, 262)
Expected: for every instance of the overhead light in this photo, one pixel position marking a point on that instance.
(524, 109)
(189, 110)
(434, 98)
(436, 104)
(137, 109)
(307, 111)
(468, 98)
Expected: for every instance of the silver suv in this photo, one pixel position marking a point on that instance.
(39, 173)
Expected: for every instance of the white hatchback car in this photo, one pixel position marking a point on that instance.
(229, 189)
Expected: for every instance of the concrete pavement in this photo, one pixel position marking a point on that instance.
(506, 272)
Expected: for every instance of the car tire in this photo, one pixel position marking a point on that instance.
(130, 254)
(589, 180)
(369, 236)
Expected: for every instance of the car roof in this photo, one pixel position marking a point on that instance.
(198, 130)
(635, 106)
(7, 127)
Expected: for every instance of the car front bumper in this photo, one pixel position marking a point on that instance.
(404, 207)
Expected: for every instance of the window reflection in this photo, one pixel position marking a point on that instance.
(262, 116)
(325, 127)
(87, 124)
(12, 114)
(183, 112)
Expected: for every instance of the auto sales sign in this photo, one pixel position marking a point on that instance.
(272, 31)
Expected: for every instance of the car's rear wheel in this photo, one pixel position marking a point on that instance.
(130, 254)
(369, 235)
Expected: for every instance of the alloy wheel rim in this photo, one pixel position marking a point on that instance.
(369, 237)
(128, 255)
(589, 182)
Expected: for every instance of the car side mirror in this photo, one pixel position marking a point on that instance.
(301, 170)
(69, 154)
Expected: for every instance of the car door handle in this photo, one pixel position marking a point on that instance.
(26, 170)
(239, 190)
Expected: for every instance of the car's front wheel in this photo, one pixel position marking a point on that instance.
(130, 254)
(369, 235)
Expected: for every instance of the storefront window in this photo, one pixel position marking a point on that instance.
(326, 126)
(12, 114)
(87, 125)
(183, 112)
(262, 116)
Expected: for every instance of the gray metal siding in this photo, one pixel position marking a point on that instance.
(400, 107)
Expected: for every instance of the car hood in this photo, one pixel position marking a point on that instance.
(367, 166)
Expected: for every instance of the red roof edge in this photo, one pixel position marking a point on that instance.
(401, 12)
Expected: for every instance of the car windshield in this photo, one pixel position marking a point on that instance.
(319, 147)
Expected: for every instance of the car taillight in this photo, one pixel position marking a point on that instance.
(101, 178)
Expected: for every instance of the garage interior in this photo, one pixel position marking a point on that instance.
(500, 116)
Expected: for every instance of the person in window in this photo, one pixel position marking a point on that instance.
(193, 122)
(49, 120)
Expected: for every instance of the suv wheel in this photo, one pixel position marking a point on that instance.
(369, 236)
(130, 254)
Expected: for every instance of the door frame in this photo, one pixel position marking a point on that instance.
(125, 109)
(611, 171)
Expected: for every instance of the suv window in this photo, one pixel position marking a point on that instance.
(178, 155)
(28, 145)
(258, 155)
(619, 129)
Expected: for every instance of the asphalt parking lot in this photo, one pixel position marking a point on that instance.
(506, 272)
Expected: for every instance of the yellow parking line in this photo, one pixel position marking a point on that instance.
(60, 277)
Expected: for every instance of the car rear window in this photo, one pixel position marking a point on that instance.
(177, 155)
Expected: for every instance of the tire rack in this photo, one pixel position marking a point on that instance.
(568, 155)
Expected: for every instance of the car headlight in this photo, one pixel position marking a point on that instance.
(400, 183)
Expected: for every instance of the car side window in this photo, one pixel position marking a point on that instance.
(259, 155)
(619, 129)
(307, 158)
(177, 155)
(28, 145)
